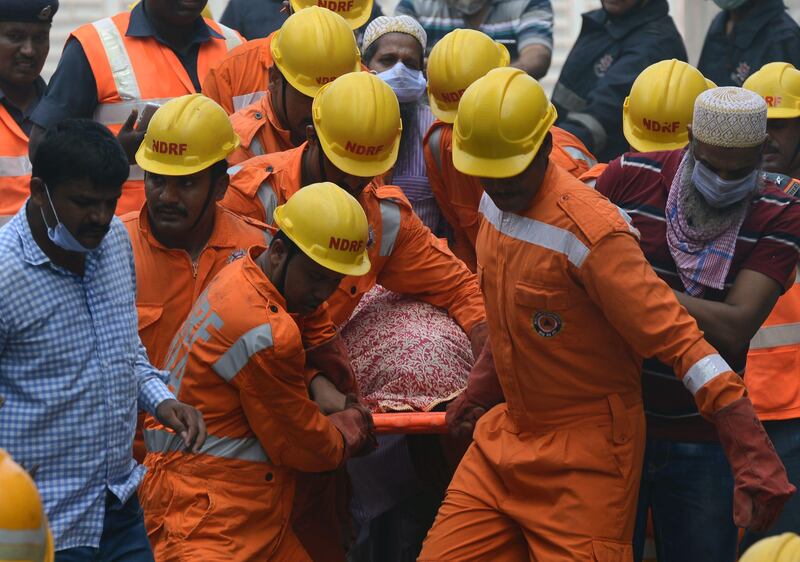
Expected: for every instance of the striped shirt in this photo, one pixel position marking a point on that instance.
(768, 242)
(411, 176)
(72, 373)
(517, 23)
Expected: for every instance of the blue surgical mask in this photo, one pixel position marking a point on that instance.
(722, 193)
(408, 85)
(60, 234)
(729, 4)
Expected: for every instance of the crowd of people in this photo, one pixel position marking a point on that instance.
(228, 247)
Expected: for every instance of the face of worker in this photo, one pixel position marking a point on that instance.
(782, 153)
(618, 8)
(396, 47)
(307, 284)
(84, 209)
(354, 185)
(175, 12)
(23, 50)
(515, 194)
(728, 163)
(292, 107)
(176, 204)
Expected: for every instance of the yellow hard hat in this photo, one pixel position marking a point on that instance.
(355, 12)
(357, 119)
(660, 106)
(782, 548)
(314, 47)
(329, 226)
(779, 84)
(24, 532)
(502, 120)
(186, 135)
(206, 13)
(450, 72)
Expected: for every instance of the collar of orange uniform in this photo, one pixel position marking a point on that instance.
(259, 115)
(258, 279)
(548, 184)
(220, 236)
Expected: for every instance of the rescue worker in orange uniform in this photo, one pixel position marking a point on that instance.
(449, 74)
(774, 358)
(239, 357)
(658, 111)
(313, 47)
(112, 68)
(573, 307)
(181, 238)
(243, 76)
(24, 44)
(354, 139)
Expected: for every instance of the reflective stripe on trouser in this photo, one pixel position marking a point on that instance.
(245, 448)
(567, 494)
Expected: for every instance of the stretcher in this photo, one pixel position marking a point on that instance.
(409, 422)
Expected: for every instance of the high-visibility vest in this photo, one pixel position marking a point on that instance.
(15, 168)
(772, 374)
(131, 72)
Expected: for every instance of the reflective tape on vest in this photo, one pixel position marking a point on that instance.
(23, 544)
(535, 232)
(14, 166)
(232, 39)
(244, 448)
(776, 336)
(135, 173)
(118, 59)
(118, 113)
(390, 226)
(240, 102)
(237, 356)
(704, 371)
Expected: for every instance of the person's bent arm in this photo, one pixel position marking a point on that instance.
(534, 59)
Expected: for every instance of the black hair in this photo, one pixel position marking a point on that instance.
(80, 149)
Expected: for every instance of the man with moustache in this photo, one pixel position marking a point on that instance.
(24, 44)
(727, 244)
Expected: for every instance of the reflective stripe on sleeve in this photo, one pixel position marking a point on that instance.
(121, 67)
(704, 371)
(390, 226)
(578, 154)
(23, 544)
(14, 166)
(776, 336)
(596, 129)
(535, 232)
(255, 340)
(245, 448)
(242, 101)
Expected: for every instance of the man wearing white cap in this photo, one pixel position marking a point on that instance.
(728, 246)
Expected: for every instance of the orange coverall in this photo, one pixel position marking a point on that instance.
(406, 257)
(239, 359)
(590, 177)
(168, 282)
(259, 130)
(241, 77)
(572, 307)
(459, 195)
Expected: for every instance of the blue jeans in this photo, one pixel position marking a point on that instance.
(785, 435)
(124, 537)
(689, 487)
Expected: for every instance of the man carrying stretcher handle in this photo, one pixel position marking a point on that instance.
(572, 307)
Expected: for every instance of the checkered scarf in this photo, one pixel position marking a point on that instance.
(703, 258)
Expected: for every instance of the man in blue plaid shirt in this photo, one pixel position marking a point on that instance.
(72, 367)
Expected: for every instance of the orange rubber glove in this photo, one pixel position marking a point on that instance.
(761, 486)
(482, 393)
(357, 428)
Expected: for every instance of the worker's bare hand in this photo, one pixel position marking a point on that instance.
(462, 416)
(326, 395)
(184, 420)
(131, 136)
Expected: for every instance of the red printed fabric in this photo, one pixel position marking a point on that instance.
(407, 354)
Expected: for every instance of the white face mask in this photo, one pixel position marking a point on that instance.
(722, 193)
(60, 234)
(408, 84)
